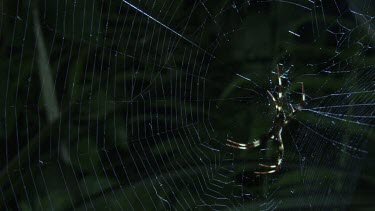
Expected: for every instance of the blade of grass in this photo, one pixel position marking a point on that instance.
(47, 87)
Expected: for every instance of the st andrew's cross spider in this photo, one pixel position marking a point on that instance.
(275, 133)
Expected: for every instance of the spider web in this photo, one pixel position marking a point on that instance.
(125, 104)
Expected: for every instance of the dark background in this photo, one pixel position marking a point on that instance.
(127, 105)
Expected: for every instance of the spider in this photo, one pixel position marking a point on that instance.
(275, 132)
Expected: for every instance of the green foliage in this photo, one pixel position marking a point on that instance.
(104, 106)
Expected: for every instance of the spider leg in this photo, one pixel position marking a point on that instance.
(237, 145)
(274, 168)
(298, 108)
(303, 94)
(280, 94)
(267, 166)
(272, 97)
(293, 110)
(275, 101)
(302, 102)
(265, 172)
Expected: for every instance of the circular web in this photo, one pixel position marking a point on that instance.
(124, 104)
